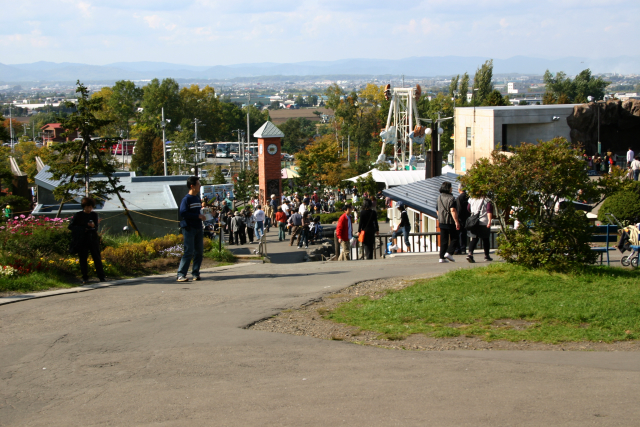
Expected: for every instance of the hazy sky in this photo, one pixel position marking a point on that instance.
(222, 32)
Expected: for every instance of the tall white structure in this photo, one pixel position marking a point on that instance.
(403, 127)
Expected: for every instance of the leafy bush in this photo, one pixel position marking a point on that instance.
(339, 206)
(30, 236)
(129, 257)
(223, 255)
(624, 205)
(330, 217)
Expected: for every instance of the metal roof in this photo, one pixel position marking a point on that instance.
(392, 178)
(422, 195)
(268, 130)
(145, 193)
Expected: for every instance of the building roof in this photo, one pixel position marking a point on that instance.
(423, 195)
(520, 107)
(145, 192)
(392, 178)
(52, 126)
(268, 130)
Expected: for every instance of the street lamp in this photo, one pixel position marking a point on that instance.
(592, 99)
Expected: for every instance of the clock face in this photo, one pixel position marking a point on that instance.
(272, 149)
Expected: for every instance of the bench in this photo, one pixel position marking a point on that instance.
(605, 234)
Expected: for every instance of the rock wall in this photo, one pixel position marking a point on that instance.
(619, 126)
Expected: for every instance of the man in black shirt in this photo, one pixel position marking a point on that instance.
(462, 203)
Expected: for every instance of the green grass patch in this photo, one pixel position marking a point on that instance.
(38, 281)
(224, 255)
(507, 302)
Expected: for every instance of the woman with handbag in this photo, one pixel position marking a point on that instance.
(368, 228)
(448, 223)
(481, 214)
(85, 238)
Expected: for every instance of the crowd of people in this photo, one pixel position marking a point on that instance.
(603, 163)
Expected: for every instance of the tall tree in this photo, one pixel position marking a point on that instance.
(298, 133)
(482, 81)
(453, 86)
(4, 131)
(155, 96)
(463, 88)
(561, 89)
(123, 103)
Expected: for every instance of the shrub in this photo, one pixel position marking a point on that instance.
(624, 205)
(223, 255)
(330, 217)
(30, 236)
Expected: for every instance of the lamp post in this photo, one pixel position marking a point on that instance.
(163, 123)
(592, 99)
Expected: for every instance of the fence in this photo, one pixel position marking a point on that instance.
(420, 243)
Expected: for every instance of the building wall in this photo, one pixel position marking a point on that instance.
(521, 123)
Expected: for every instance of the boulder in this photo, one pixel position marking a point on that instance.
(619, 125)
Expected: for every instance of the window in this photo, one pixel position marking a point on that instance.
(468, 137)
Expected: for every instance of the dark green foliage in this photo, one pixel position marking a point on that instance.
(244, 184)
(218, 176)
(68, 162)
(624, 205)
(482, 82)
(560, 89)
(297, 134)
(330, 217)
(495, 99)
(142, 160)
(40, 242)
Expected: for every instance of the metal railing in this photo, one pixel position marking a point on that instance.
(420, 243)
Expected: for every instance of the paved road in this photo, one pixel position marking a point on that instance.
(164, 353)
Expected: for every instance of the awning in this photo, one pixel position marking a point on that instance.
(392, 178)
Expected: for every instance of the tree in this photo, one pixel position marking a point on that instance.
(482, 81)
(155, 96)
(298, 133)
(4, 130)
(320, 162)
(299, 100)
(561, 89)
(453, 86)
(244, 184)
(218, 177)
(495, 99)
(123, 104)
(463, 88)
(67, 165)
(539, 182)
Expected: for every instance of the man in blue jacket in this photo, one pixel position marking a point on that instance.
(191, 226)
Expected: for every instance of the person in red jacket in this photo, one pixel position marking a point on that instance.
(344, 232)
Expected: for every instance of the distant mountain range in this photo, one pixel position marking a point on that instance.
(410, 67)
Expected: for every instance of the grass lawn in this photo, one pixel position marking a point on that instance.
(507, 302)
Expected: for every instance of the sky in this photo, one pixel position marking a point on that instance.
(224, 32)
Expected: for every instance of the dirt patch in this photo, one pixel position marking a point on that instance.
(307, 320)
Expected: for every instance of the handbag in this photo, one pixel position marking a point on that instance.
(361, 236)
(474, 220)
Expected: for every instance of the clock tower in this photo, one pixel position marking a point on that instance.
(269, 161)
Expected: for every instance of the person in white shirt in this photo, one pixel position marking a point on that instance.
(635, 167)
(630, 156)
(259, 217)
(303, 208)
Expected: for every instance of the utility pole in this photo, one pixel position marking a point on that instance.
(164, 143)
(248, 134)
(195, 145)
(11, 128)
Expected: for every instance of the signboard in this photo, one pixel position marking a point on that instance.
(463, 164)
(212, 191)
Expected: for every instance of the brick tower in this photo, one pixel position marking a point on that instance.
(269, 163)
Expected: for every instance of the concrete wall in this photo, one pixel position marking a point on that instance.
(498, 127)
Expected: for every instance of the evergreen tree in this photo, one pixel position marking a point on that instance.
(218, 176)
(142, 160)
(463, 88)
(482, 82)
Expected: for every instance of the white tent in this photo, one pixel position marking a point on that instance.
(392, 178)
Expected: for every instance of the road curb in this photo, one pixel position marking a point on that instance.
(26, 297)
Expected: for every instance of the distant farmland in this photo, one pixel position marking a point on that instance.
(281, 116)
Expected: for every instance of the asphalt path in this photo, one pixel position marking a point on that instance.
(161, 353)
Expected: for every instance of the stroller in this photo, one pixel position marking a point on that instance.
(628, 241)
(315, 229)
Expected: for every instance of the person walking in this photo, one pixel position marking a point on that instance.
(227, 226)
(344, 232)
(295, 220)
(85, 238)
(630, 156)
(304, 232)
(259, 226)
(368, 224)
(237, 225)
(268, 213)
(483, 230)
(281, 221)
(191, 227)
(448, 223)
(402, 229)
(463, 213)
(250, 222)
(635, 167)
